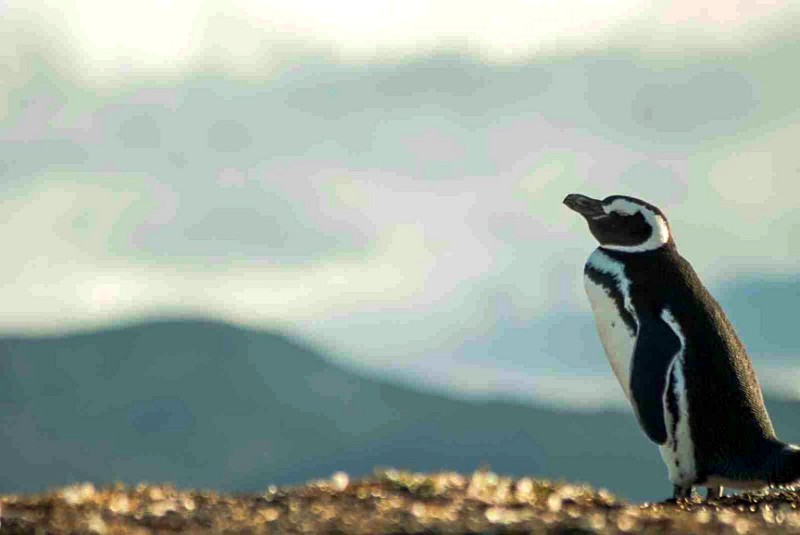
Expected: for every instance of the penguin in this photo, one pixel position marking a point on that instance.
(677, 356)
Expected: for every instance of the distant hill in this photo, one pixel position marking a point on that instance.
(210, 405)
(764, 311)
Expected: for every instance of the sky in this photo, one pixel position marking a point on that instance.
(384, 179)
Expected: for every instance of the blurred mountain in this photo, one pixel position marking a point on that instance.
(210, 405)
(764, 312)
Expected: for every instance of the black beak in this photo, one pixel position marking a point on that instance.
(586, 206)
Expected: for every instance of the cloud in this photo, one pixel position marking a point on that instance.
(102, 44)
(404, 212)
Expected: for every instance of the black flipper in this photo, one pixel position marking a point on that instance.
(656, 346)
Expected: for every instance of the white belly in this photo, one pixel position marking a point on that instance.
(617, 338)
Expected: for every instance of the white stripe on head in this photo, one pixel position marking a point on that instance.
(660, 231)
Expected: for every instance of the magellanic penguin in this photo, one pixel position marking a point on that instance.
(676, 355)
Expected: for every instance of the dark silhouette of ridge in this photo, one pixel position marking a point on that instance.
(211, 405)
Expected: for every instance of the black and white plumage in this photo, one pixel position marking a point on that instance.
(676, 355)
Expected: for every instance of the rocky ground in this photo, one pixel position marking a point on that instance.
(391, 501)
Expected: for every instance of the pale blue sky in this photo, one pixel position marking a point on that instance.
(386, 179)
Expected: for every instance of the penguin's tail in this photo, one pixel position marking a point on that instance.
(786, 468)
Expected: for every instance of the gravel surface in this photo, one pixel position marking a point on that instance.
(391, 501)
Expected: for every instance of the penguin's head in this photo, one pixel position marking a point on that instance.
(622, 223)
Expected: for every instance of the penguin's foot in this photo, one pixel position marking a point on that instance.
(714, 493)
(680, 493)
